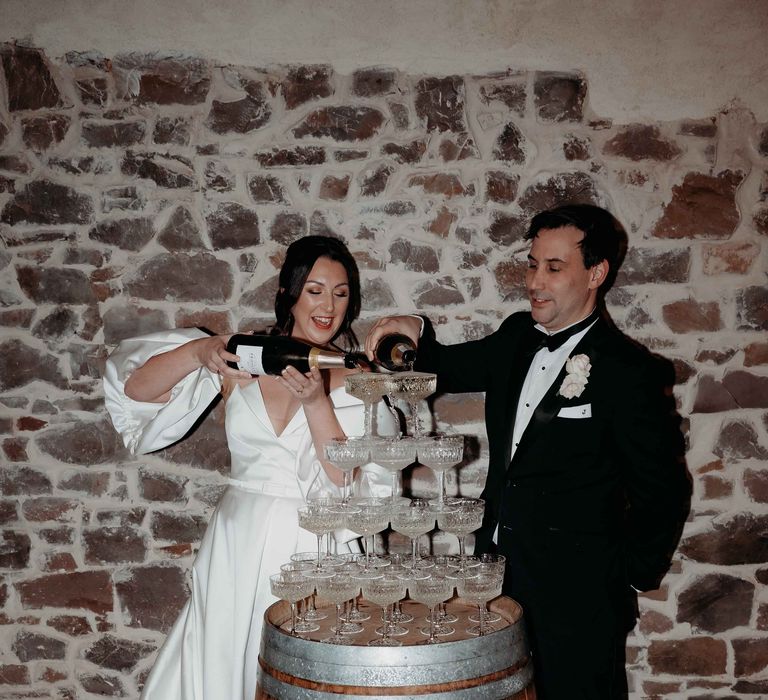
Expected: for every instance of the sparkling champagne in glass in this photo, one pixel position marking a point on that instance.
(413, 521)
(346, 454)
(394, 455)
(338, 588)
(414, 387)
(431, 591)
(318, 520)
(291, 586)
(466, 516)
(439, 454)
(369, 516)
(384, 591)
(479, 588)
(370, 388)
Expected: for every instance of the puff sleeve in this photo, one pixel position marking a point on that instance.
(145, 426)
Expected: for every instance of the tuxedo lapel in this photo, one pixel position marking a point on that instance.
(552, 402)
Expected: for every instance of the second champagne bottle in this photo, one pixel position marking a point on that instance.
(271, 354)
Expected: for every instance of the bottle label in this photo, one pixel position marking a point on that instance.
(250, 358)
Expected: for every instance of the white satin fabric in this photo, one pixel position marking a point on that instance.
(211, 653)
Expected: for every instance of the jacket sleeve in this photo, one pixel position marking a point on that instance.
(651, 448)
(464, 367)
(146, 426)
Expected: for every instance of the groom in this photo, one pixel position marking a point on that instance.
(586, 490)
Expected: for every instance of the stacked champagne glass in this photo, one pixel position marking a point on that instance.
(386, 580)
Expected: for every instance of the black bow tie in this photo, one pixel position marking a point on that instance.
(554, 341)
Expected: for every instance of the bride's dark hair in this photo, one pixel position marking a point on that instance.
(299, 259)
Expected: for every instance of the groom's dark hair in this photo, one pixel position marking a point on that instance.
(604, 237)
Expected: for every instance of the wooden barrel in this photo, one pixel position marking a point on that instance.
(461, 667)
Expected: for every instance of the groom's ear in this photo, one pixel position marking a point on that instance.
(598, 274)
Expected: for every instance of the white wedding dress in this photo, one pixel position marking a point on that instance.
(211, 653)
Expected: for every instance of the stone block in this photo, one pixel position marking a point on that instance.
(89, 590)
(510, 279)
(752, 309)
(152, 596)
(217, 322)
(126, 234)
(181, 233)
(716, 603)
(114, 545)
(291, 157)
(177, 527)
(506, 229)
(93, 91)
(642, 142)
(103, 134)
(45, 508)
(117, 654)
(165, 170)
(559, 97)
(441, 224)
(263, 297)
(288, 227)
(411, 152)
(163, 80)
(30, 646)
(14, 550)
(700, 656)
(440, 292)
(21, 364)
(344, 123)
(267, 189)
(703, 206)
(232, 225)
(373, 180)
(219, 177)
(28, 80)
(14, 674)
(240, 116)
(377, 294)
(305, 83)
(512, 95)
(72, 625)
(573, 187)
(154, 486)
(175, 130)
(83, 443)
(501, 187)
(446, 185)
(131, 321)
(692, 316)
(510, 145)
(372, 82)
(738, 539)
(183, 277)
(334, 188)
(49, 204)
(414, 257)
(440, 103)
(739, 440)
(101, 684)
(729, 258)
(41, 133)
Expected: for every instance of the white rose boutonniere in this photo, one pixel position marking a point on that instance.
(577, 368)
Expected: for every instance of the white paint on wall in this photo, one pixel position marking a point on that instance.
(645, 59)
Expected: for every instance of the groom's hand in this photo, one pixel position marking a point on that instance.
(407, 325)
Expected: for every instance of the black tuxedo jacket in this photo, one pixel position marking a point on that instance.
(607, 492)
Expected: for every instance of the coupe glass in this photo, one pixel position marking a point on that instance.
(370, 388)
(311, 613)
(489, 563)
(303, 623)
(439, 454)
(384, 591)
(347, 454)
(479, 588)
(338, 588)
(413, 521)
(466, 516)
(291, 586)
(367, 517)
(431, 591)
(319, 520)
(413, 387)
(394, 455)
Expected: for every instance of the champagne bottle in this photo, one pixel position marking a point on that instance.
(271, 354)
(395, 352)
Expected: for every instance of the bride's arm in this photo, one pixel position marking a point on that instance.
(154, 380)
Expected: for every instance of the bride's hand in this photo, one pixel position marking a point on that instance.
(307, 388)
(212, 354)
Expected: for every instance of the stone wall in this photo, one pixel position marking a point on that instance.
(142, 192)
